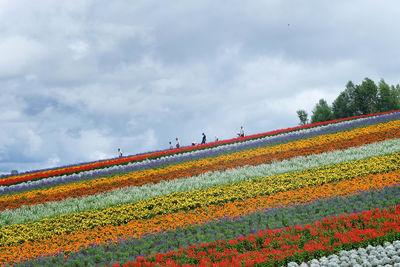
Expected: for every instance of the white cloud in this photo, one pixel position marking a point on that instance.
(53, 161)
(79, 49)
(18, 53)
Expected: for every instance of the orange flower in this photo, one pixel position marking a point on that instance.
(319, 144)
(72, 242)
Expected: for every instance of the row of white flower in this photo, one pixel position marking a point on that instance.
(207, 180)
(386, 255)
(29, 185)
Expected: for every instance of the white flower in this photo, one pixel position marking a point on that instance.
(366, 264)
(396, 244)
(369, 248)
(390, 251)
(333, 256)
(375, 262)
(344, 253)
(387, 244)
(396, 259)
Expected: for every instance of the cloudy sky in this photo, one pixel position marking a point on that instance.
(80, 78)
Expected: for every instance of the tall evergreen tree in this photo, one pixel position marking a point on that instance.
(340, 107)
(343, 106)
(321, 112)
(387, 98)
(397, 87)
(366, 96)
(351, 96)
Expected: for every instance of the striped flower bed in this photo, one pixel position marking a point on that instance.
(237, 143)
(290, 196)
(322, 143)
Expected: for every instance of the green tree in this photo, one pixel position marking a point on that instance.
(340, 107)
(303, 116)
(366, 96)
(388, 97)
(344, 105)
(355, 100)
(321, 112)
(396, 90)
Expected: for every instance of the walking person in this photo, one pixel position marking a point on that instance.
(203, 141)
(119, 153)
(170, 145)
(216, 139)
(177, 143)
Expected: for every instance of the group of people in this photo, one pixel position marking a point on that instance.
(204, 139)
(178, 145)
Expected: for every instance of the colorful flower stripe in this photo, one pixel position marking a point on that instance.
(101, 164)
(229, 228)
(198, 154)
(71, 242)
(191, 168)
(295, 242)
(190, 200)
(133, 194)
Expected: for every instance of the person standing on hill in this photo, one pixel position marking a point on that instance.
(241, 132)
(119, 153)
(170, 145)
(203, 141)
(177, 143)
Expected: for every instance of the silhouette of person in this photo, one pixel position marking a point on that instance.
(203, 141)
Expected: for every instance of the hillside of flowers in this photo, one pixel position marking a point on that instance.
(323, 194)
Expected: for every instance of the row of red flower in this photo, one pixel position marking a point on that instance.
(63, 192)
(135, 158)
(294, 243)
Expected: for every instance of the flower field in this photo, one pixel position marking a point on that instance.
(316, 195)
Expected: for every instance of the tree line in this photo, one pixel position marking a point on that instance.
(356, 99)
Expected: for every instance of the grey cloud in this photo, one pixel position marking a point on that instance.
(80, 79)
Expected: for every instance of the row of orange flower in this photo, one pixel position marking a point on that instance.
(172, 203)
(72, 241)
(342, 140)
(278, 247)
(105, 163)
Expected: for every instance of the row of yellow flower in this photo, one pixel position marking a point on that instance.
(244, 155)
(190, 200)
(104, 163)
(71, 242)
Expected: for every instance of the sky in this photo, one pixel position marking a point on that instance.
(81, 78)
